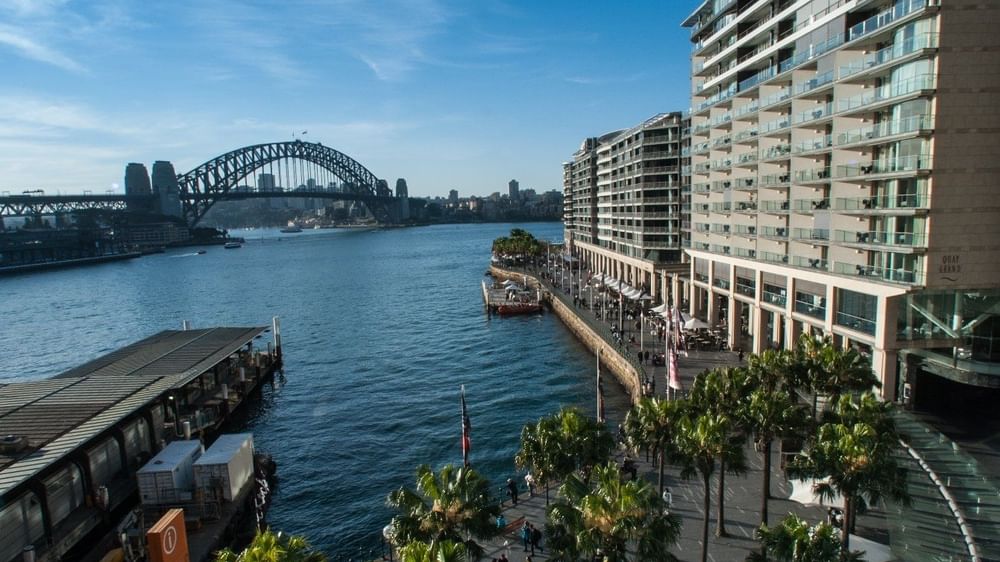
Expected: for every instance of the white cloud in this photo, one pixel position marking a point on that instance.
(31, 49)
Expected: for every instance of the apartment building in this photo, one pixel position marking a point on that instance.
(624, 194)
(843, 177)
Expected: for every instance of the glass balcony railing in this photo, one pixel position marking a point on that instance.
(855, 323)
(779, 232)
(908, 201)
(898, 275)
(744, 253)
(880, 238)
(811, 263)
(817, 234)
(771, 257)
(888, 92)
(721, 283)
(776, 97)
(911, 124)
(911, 163)
(780, 207)
(810, 308)
(817, 113)
(743, 230)
(775, 125)
(813, 83)
(774, 180)
(899, 10)
(745, 109)
(747, 289)
(776, 151)
(888, 54)
(816, 174)
(774, 298)
(819, 143)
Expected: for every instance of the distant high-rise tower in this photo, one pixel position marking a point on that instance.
(403, 194)
(514, 189)
(265, 182)
(165, 185)
(453, 196)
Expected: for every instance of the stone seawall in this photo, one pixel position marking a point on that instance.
(624, 373)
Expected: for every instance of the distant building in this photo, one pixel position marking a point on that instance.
(514, 190)
(265, 182)
(403, 194)
(453, 196)
(137, 183)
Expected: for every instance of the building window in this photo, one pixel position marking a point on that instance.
(857, 311)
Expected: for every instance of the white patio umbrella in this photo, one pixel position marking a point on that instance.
(802, 492)
(874, 551)
(660, 309)
(695, 324)
(645, 296)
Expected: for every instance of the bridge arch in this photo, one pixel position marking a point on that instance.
(215, 179)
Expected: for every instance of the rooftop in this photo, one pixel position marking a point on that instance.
(61, 414)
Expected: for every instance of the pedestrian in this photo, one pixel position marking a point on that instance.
(512, 490)
(526, 536)
(739, 354)
(501, 522)
(529, 481)
(536, 540)
(503, 558)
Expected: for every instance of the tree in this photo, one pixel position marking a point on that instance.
(541, 452)
(769, 414)
(793, 540)
(832, 371)
(454, 505)
(720, 392)
(268, 546)
(444, 551)
(609, 515)
(854, 453)
(651, 425)
(700, 441)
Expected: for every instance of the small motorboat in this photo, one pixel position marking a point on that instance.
(200, 252)
(514, 308)
(229, 246)
(291, 230)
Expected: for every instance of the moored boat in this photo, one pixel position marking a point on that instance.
(514, 308)
(232, 245)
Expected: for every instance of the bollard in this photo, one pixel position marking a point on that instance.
(28, 554)
(243, 374)
(225, 391)
(186, 325)
(187, 430)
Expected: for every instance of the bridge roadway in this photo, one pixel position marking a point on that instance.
(33, 205)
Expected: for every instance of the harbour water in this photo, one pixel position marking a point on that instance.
(379, 329)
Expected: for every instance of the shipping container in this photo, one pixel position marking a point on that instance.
(225, 467)
(169, 476)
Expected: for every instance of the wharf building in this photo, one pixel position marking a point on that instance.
(71, 445)
(622, 200)
(843, 175)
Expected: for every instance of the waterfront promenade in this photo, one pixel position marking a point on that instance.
(742, 493)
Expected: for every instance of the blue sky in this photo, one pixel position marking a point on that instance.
(450, 95)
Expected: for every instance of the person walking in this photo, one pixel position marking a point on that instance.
(536, 540)
(512, 490)
(526, 536)
(529, 481)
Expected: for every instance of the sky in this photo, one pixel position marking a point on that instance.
(448, 94)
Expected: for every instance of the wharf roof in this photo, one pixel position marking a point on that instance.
(170, 352)
(60, 415)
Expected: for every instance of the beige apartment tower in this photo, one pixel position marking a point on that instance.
(845, 162)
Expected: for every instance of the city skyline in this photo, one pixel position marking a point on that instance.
(447, 96)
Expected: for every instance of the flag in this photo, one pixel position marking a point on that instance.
(600, 400)
(674, 378)
(304, 132)
(466, 431)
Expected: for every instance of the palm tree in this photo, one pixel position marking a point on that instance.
(769, 414)
(793, 540)
(855, 455)
(651, 425)
(720, 392)
(541, 452)
(607, 516)
(832, 371)
(444, 551)
(454, 505)
(700, 441)
(268, 546)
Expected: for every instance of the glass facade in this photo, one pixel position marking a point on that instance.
(857, 311)
(966, 323)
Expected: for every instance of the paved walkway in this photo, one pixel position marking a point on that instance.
(743, 493)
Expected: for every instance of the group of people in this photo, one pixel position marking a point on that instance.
(531, 536)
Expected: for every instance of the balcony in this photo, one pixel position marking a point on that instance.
(809, 206)
(819, 112)
(874, 205)
(815, 83)
(898, 127)
(819, 143)
(745, 207)
(777, 299)
(775, 125)
(856, 323)
(810, 263)
(813, 175)
(774, 207)
(746, 158)
(743, 184)
(745, 231)
(811, 235)
(774, 233)
(746, 289)
(911, 164)
(774, 181)
(776, 97)
(744, 253)
(901, 9)
(888, 93)
(880, 238)
(775, 152)
(890, 54)
(745, 134)
(745, 109)
(771, 257)
(717, 282)
(875, 273)
(723, 208)
(810, 306)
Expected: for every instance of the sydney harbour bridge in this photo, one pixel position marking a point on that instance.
(304, 169)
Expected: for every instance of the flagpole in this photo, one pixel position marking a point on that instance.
(466, 430)
(600, 395)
